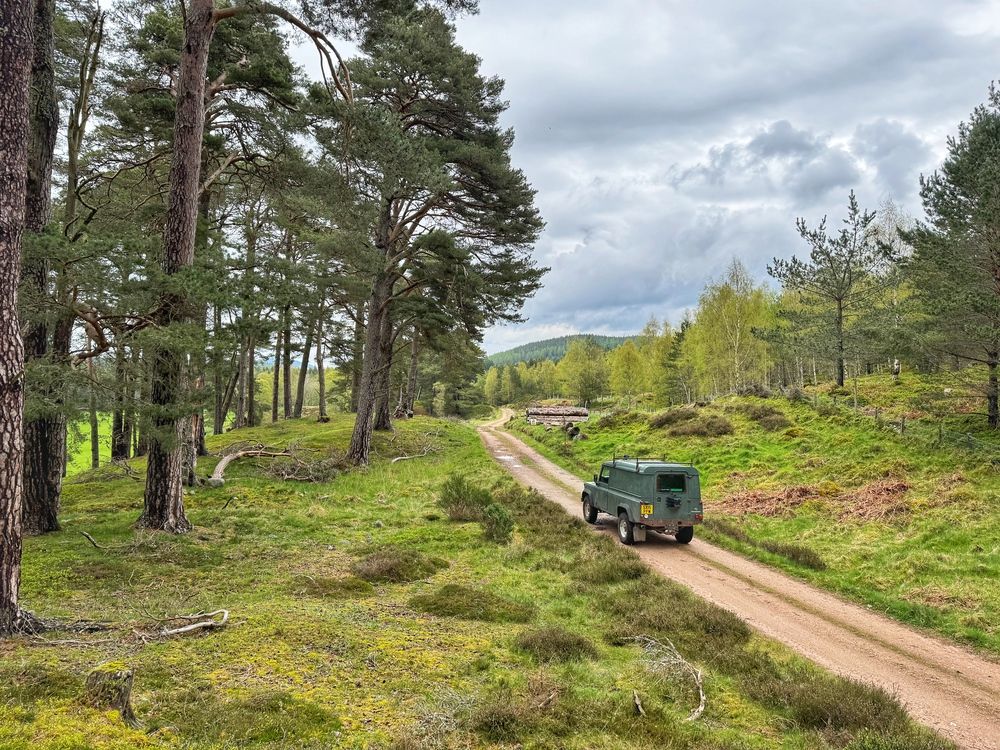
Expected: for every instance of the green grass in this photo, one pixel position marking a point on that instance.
(933, 559)
(526, 643)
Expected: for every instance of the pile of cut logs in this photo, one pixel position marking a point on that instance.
(559, 416)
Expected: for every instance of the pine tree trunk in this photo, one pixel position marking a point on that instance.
(361, 439)
(993, 391)
(119, 431)
(95, 425)
(251, 381)
(321, 369)
(383, 388)
(286, 364)
(840, 344)
(15, 71)
(357, 359)
(164, 498)
(276, 384)
(219, 416)
(42, 465)
(411, 377)
(239, 420)
(300, 390)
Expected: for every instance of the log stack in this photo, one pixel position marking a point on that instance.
(558, 416)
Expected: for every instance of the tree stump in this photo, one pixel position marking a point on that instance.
(110, 686)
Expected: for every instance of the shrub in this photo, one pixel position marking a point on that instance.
(555, 644)
(817, 700)
(396, 565)
(774, 422)
(607, 562)
(500, 718)
(461, 500)
(826, 410)
(914, 739)
(467, 603)
(845, 705)
(796, 553)
(341, 588)
(661, 609)
(672, 417)
(498, 524)
(711, 425)
(794, 393)
(754, 389)
(618, 418)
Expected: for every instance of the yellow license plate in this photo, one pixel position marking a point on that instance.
(646, 510)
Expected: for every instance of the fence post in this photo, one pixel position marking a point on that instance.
(940, 433)
(902, 425)
(878, 419)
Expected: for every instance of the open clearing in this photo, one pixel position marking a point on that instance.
(944, 686)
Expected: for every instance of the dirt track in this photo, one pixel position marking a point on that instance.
(943, 685)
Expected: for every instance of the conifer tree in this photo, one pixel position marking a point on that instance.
(956, 252)
(835, 283)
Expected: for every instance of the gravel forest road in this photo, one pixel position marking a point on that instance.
(943, 685)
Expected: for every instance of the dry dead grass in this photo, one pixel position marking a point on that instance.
(881, 500)
(770, 503)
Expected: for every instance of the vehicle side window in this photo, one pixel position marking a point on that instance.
(605, 474)
(671, 482)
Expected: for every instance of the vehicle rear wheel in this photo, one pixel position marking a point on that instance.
(589, 511)
(625, 531)
(685, 534)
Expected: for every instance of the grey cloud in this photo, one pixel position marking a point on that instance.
(896, 153)
(780, 160)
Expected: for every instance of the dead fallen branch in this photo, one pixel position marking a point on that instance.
(199, 621)
(218, 476)
(637, 703)
(664, 659)
(426, 452)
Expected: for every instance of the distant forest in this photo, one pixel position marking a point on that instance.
(552, 349)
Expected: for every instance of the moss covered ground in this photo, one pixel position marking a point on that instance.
(362, 617)
(824, 491)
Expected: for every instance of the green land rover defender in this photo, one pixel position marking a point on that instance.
(645, 494)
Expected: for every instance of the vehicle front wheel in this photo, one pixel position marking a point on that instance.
(589, 511)
(684, 534)
(625, 529)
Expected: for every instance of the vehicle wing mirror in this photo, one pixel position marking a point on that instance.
(595, 478)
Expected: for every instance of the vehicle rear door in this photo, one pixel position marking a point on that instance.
(672, 496)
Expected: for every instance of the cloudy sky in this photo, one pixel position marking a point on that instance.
(667, 137)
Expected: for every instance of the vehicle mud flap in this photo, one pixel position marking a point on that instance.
(639, 533)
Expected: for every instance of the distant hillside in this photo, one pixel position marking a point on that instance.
(553, 349)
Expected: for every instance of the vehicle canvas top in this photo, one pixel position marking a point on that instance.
(650, 466)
